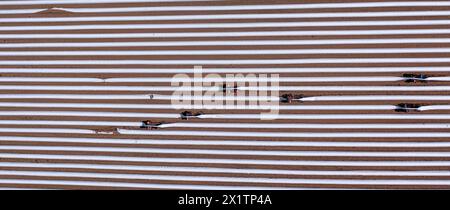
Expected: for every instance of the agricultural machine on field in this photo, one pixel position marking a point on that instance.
(405, 107)
(288, 98)
(413, 78)
(186, 115)
(226, 89)
(148, 124)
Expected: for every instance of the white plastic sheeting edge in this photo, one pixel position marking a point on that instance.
(289, 134)
(228, 152)
(194, 88)
(228, 34)
(223, 52)
(226, 116)
(226, 16)
(221, 179)
(225, 70)
(222, 43)
(225, 161)
(333, 143)
(225, 62)
(224, 170)
(174, 106)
